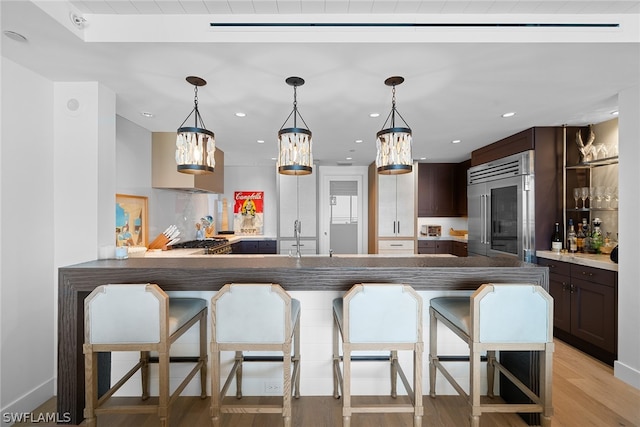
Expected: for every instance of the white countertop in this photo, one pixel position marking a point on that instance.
(589, 260)
(447, 237)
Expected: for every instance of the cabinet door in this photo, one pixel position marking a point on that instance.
(298, 200)
(593, 313)
(560, 290)
(443, 247)
(405, 205)
(436, 183)
(387, 206)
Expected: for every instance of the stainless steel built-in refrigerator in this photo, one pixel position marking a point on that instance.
(501, 208)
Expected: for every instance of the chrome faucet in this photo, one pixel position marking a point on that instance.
(296, 234)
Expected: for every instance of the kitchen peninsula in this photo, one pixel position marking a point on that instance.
(210, 273)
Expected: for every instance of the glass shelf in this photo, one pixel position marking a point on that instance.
(591, 209)
(595, 163)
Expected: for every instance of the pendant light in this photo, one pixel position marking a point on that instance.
(394, 143)
(195, 146)
(294, 143)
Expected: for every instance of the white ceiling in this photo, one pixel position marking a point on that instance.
(458, 80)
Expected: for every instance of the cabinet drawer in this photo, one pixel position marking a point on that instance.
(426, 244)
(394, 246)
(591, 274)
(558, 267)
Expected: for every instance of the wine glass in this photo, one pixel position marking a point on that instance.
(576, 195)
(607, 196)
(599, 195)
(592, 197)
(584, 193)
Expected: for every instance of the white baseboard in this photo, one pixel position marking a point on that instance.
(627, 374)
(28, 402)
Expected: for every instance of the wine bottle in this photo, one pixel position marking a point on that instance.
(556, 240)
(580, 239)
(572, 238)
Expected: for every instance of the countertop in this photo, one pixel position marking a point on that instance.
(589, 260)
(460, 239)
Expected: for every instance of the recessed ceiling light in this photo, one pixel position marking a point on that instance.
(274, 158)
(348, 158)
(423, 158)
(261, 141)
(374, 115)
(614, 113)
(455, 141)
(146, 114)
(240, 114)
(15, 36)
(358, 141)
(510, 114)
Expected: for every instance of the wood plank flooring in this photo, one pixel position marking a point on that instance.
(585, 393)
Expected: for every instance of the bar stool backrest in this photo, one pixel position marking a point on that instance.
(125, 314)
(512, 313)
(382, 313)
(252, 313)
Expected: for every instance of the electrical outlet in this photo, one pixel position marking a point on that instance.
(272, 387)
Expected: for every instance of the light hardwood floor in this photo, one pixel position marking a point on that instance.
(585, 393)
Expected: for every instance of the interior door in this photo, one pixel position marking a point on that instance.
(343, 217)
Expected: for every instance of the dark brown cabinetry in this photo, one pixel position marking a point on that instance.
(442, 189)
(442, 247)
(547, 142)
(254, 247)
(585, 307)
(459, 249)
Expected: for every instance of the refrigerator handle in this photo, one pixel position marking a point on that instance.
(482, 205)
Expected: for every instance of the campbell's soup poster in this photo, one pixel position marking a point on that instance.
(248, 212)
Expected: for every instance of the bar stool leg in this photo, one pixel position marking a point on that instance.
(394, 373)
(286, 393)
(163, 399)
(203, 355)
(144, 373)
(491, 372)
(296, 354)
(239, 358)
(474, 388)
(433, 351)
(346, 385)
(546, 365)
(91, 387)
(336, 359)
(215, 385)
(417, 384)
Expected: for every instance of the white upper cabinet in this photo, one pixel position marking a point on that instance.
(298, 200)
(396, 205)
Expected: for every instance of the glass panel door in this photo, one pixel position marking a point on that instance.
(504, 219)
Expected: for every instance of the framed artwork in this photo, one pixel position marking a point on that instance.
(248, 212)
(132, 227)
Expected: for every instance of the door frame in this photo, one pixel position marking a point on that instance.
(342, 173)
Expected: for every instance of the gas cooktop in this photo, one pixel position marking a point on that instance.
(211, 246)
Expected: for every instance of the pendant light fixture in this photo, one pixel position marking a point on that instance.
(195, 146)
(394, 143)
(294, 143)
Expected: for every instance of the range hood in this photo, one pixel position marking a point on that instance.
(164, 173)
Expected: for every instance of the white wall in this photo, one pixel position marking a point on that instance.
(253, 178)
(627, 367)
(26, 246)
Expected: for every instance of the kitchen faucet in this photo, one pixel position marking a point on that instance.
(296, 233)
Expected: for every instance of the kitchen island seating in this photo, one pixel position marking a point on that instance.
(258, 317)
(498, 317)
(139, 317)
(378, 318)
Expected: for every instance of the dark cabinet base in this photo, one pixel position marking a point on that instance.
(588, 348)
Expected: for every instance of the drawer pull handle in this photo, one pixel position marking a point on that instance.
(397, 244)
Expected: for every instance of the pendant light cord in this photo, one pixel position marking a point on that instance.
(295, 111)
(195, 109)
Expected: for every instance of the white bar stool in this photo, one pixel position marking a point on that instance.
(497, 317)
(378, 317)
(139, 317)
(254, 317)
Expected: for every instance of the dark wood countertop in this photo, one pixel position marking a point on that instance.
(311, 273)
